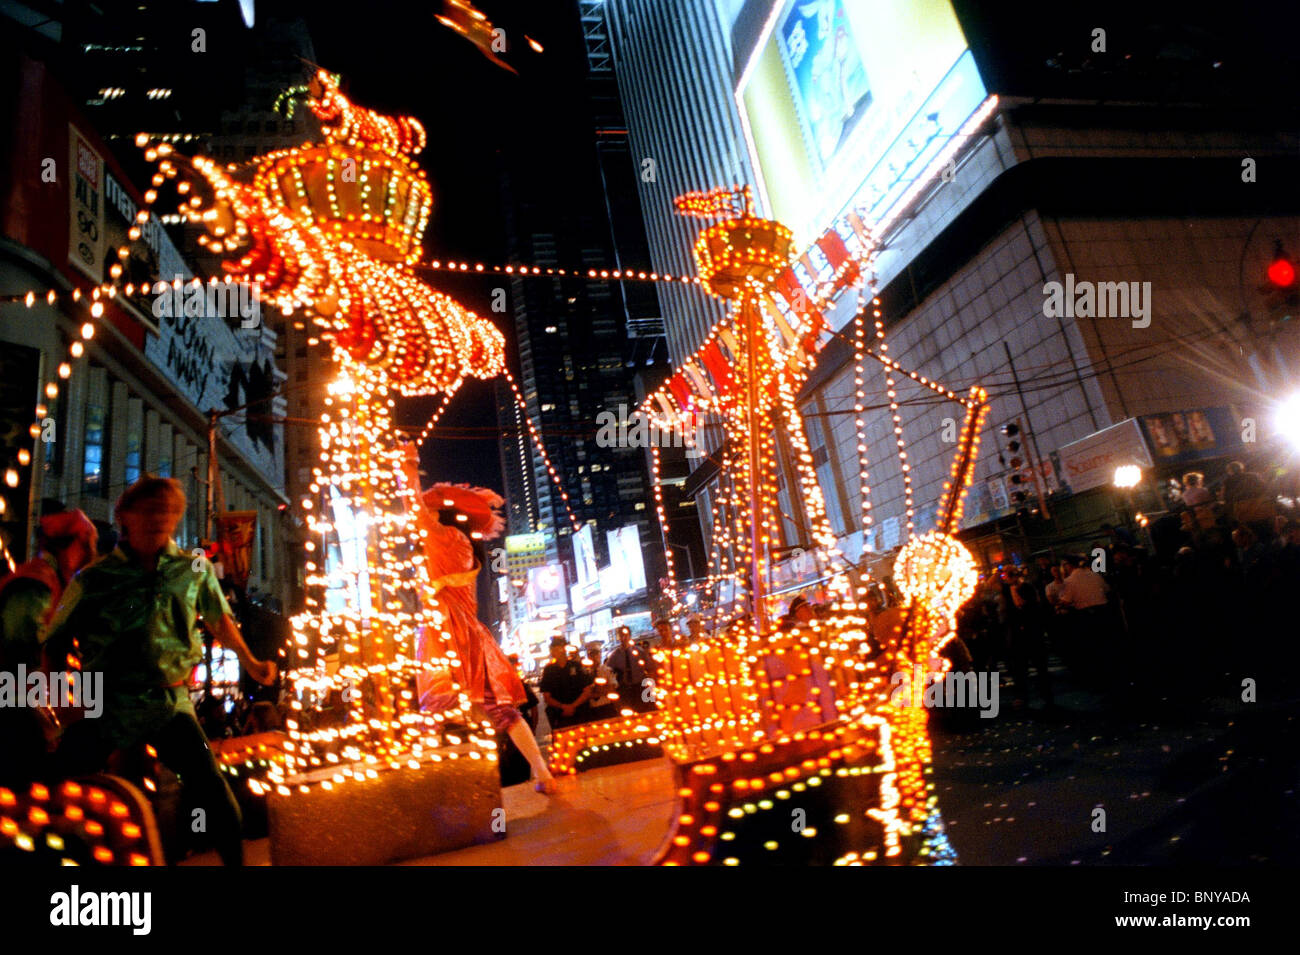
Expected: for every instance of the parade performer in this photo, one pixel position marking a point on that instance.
(27, 598)
(32, 591)
(485, 673)
(134, 616)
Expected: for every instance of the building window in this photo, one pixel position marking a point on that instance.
(132, 457)
(92, 473)
(133, 460)
(54, 448)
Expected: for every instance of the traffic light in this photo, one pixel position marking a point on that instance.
(1281, 291)
(1281, 271)
(1013, 457)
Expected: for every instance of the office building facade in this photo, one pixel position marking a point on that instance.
(997, 177)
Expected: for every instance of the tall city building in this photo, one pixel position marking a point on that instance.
(673, 63)
(1003, 158)
(582, 346)
(165, 67)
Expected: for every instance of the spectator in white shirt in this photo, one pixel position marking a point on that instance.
(1084, 589)
(1195, 492)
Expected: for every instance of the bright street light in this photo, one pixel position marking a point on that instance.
(1288, 419)
(1127, 475)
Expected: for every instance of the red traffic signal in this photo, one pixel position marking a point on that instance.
(1281, 271)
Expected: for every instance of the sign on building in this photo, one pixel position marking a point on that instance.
(86, 240)
(546, 587)
(1181, 437)
(1091, 461)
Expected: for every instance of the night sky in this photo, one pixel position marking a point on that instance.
(399, 59)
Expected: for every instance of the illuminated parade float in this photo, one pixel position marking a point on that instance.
(790, 743)
(332, 230)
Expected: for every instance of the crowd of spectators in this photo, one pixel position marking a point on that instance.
(1185, 615)
(579, 685)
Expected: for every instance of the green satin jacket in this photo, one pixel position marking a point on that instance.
(140, 628)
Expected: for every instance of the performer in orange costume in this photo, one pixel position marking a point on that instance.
(485, 674)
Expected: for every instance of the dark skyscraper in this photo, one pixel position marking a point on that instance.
(577, 342)
(583, 348)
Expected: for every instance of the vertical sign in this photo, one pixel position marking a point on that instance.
(85, 208)
(584, 554)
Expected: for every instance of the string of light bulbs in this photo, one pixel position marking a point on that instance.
(541, 448)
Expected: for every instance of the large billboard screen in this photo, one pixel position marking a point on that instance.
(547, 587)
(584, 553)
(626, 561)
(845, 102)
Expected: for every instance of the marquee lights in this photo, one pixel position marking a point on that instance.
(78, 823)
(333, 229)
(812, 701)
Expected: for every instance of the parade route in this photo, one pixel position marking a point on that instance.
(616, 815)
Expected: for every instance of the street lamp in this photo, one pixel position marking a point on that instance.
(1127, 476)
(1288, 419)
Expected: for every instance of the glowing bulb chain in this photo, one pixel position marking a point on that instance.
(541, 448)
(437, 415)
(892, 393)
(663, 521)
(860, 424)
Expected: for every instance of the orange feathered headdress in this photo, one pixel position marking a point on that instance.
(480, 505)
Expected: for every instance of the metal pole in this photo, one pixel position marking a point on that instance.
(212, 475)
(1033, 438)
(748, 308)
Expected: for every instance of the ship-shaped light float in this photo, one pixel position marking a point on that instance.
(789, 743)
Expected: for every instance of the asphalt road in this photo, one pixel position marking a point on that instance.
(1198, 777)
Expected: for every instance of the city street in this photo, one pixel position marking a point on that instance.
(1208, 782)
(774, 434)
(1203, 782)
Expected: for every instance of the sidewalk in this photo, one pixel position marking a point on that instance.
(617, 815)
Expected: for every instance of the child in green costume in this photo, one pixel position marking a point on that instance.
(134, 616)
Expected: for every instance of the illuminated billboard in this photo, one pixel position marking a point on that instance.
(626, 561)
(547, 587)
(526, 544)
(845, 102)
(584, 553)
